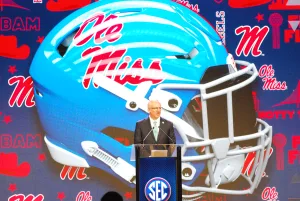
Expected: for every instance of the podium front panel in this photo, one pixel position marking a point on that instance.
(157, 179)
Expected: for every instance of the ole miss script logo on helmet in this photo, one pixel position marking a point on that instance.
(157, 189)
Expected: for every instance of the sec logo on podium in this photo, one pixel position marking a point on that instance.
(157, 189)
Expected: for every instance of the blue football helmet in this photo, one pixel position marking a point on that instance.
(97, 69)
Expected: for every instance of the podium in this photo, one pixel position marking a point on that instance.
(158, 172)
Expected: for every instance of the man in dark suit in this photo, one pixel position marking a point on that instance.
(154, 129)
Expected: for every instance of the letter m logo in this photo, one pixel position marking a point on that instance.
(30, 197)
(23, 91)
(251, 40)
(70, 172)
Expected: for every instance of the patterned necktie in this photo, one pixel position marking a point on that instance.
(155, 130)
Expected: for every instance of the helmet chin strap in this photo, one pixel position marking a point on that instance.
(226, 170)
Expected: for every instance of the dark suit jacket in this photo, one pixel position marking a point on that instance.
(142, 129)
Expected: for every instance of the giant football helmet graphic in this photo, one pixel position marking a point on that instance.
(97, 69)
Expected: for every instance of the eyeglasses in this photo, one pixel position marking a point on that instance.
(156, 108)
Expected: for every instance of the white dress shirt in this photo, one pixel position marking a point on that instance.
(157, 122)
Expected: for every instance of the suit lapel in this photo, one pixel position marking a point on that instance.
(161, 126)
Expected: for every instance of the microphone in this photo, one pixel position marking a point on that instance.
(166, 134)
(147, 135)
